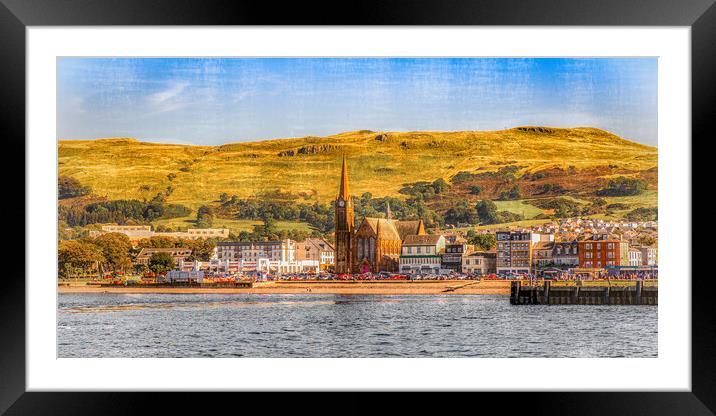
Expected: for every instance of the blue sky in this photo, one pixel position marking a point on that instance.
(211, 101)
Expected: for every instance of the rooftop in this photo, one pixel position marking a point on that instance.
(482, 254)
(422, 239)
(543, 245)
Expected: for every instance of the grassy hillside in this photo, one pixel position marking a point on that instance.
(378, 163)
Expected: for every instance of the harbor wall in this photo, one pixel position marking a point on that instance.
(549, 294)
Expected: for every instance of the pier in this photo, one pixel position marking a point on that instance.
(546, 292)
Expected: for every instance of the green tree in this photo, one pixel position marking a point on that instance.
(486, 211)
(77, 256)
(646, 240)
(511, 194)
(483, 241)
(364, 200)
(475, 190)
(439, 185)
(461, 213)
(642, 214)
(623, 186)
(115, 248)
(141, 268)
(204, 217)
(155, 207)
(161, 262)
(269, 223)
(68, 187)
(201, 249)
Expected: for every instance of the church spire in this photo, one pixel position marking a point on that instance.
(345, 223)
(343, 190)
(388, 213)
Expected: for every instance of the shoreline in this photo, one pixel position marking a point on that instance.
(442, 287)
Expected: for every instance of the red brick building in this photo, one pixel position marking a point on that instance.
(602, 251)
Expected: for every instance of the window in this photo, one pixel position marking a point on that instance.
(588, 246)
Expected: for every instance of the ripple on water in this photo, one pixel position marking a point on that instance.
(154, 325)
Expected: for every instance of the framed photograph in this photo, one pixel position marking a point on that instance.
(476, 198)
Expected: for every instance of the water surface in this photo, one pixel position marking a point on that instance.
(259, 325)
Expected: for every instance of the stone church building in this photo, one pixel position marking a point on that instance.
(373, 246)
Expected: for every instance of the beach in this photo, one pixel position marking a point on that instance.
(460, 287)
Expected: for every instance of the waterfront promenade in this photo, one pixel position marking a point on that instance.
(424, 287)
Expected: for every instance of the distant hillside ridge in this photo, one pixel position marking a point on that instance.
(379, 163)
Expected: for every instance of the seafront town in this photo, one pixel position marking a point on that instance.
(517, 254)
(387, 249)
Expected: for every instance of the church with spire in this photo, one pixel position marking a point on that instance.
(345, 223)
(373, 246)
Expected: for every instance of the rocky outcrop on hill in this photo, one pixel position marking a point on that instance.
(308, 150)
(536, 129)
(311, 150)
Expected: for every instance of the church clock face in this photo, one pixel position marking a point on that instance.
(341, 203)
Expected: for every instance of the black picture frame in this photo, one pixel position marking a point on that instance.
(16, 15)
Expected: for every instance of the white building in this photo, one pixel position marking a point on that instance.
(514, 250)
(265, 256)
(178, 276)
(279, 250)
(316, 249)
(634, 257)
(479, 263)
(244, 266)
(422, 254)
(196, 233)
(140, 232)
(648, 256)
(566, 253)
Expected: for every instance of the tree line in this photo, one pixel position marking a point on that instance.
(483, 212)
(121, 211)
(113, 252)
(321, 216)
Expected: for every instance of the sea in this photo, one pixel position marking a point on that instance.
(326, 325)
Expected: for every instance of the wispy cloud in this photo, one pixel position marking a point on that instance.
(166, 100)
(215, 100)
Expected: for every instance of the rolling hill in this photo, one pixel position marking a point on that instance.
(580, 160)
